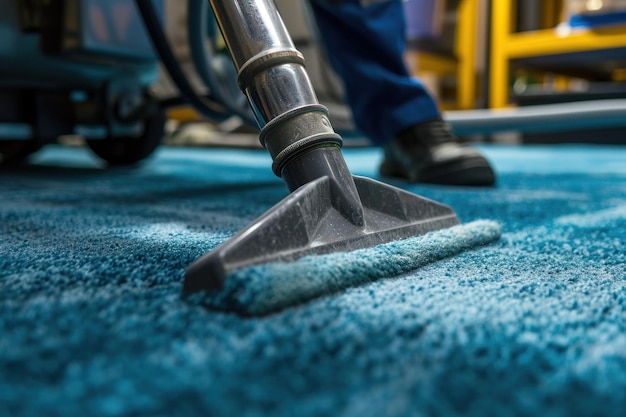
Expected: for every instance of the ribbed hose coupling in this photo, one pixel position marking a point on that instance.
(297, 131)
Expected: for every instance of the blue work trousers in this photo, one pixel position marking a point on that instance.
(365, 45)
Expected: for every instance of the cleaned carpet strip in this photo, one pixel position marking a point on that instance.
(266, 288)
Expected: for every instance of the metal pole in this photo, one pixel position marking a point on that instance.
(294, 126)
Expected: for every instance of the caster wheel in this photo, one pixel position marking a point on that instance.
(120, 151)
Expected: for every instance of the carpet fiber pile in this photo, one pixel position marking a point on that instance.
(92, 322)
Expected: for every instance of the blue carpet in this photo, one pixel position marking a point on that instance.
(92, 322)
(271, 287)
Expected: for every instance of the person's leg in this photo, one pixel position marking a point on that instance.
(365, 45)
(365, 41)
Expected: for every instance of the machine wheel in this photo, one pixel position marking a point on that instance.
(14, 152)
(122, 150)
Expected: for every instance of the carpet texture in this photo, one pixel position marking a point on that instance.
(92, 322)
(266, 288)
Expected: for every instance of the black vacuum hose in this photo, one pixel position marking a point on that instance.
(207, 107)
(197, 24)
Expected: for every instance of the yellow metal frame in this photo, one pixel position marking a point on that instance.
(466, 41)
(507, 45)
(463, 66)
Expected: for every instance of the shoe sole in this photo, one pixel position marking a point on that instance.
(466, 171)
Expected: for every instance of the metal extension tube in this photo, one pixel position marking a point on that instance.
(295, 127)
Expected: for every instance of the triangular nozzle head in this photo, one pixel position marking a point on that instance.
(307, 222)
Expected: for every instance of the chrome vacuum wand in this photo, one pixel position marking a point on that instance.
(295, 126)
(328, 209)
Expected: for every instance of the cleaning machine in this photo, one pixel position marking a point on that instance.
(84, 67)
(63, 73)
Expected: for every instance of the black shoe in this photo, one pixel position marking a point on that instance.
(430, 152)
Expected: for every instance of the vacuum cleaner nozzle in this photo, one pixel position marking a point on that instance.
(261, 289)
(328, 210)
(314, 220)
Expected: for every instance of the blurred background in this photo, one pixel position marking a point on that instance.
(482, 54)
(88, 71)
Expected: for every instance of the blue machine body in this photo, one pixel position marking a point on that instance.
(110, 41)
(77, 67)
